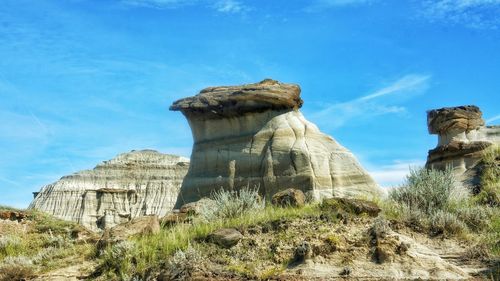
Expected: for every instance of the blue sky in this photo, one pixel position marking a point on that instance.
(81, 81)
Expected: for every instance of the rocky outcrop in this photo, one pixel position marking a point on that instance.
(462, 138)
(133, 184)
(254, 135)
(290, 197)
(138, 226)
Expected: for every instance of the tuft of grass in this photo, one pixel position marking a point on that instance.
(9, 208)
(45, 223)
(489, 193)
(184, 263)
(231, 204)
(446, 223)
(118, 260)
(16, 268)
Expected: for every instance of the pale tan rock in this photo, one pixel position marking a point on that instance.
(139, 226)
(225, 237)
(133, 184)
(289, 197)
(253, 135)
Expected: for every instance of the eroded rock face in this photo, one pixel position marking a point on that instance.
(133, 184)
(462, 138)
(254, 135)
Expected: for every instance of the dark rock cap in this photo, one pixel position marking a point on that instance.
(229, 101)
(460, 118)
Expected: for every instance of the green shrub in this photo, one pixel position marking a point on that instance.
(490, 177)
(183, 264)
(232, 204)
(117, 260)
(433, 200)
(48, 224)
(442, 222)
(10, 245)
(475, 217)
(16, 269)
(429, 191)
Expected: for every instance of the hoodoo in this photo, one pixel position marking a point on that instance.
(255, 136)
(133, 184)
(462, 138)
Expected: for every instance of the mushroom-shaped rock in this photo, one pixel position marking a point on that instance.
(462, 138)
(454, 119)
(255, 136)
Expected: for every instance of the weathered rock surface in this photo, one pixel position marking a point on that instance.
(12, 215)
(351, 205)
(254, 135)
(133, 184)
(462, 138)
(195, 208)
(225, 237)
(138, 226)
(289, 197)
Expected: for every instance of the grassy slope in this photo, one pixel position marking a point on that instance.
(40, 244)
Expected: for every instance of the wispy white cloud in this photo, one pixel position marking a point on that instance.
(230, 6)
(159, 4)
(492, 119)
(393, 174)
(408, 82)
(320, 5)
(17, 127)
(379, 102)
(221, 6)
(478, 14)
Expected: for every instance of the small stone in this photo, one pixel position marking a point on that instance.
(225, 237)
(173, 218)
(402, 248)
(346, 271)
(289, 197)
(383, 254)
(302, 251)
(195, 208)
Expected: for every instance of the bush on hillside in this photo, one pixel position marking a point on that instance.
(10, 245)
(429, 191)
(183, 264)
(117, 260)
(16, 268)
(489, 193)
(232, 204)
(434, 200)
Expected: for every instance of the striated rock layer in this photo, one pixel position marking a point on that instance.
(254, 135)
(462, 138)
(133, 184)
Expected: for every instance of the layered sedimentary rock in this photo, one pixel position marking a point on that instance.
(133, 184)
(462, 138)
(255, 136)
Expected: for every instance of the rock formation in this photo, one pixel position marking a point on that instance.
(254, 135)
(462, 138)
(133, 184)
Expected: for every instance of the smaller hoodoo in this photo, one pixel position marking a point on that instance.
(254, 136)
(462, 138)
(133, 184)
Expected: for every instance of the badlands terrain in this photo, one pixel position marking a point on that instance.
(266, 196)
